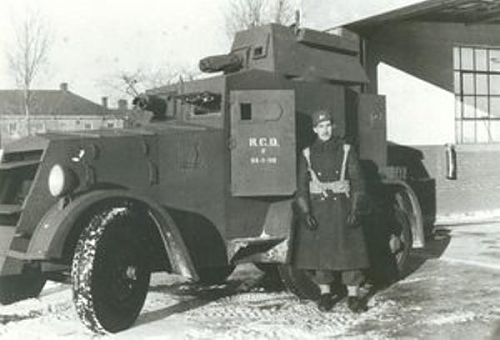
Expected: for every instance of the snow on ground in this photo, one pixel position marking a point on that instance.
(175, 309)
(242, 309)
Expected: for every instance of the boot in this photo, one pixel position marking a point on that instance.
(325, 302)
(356, 304)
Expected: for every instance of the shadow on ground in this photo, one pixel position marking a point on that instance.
(383, 274)
(194, 295)
(435, 246)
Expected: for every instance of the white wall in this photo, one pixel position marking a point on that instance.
(414, 63)
(418, 112)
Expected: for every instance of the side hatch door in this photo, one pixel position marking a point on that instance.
(263, 151)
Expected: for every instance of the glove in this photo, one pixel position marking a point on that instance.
(360, 209)
(309, 221)
(353, 220)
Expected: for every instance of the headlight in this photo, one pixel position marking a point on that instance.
(61, 181)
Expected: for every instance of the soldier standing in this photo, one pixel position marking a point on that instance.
(330, 241)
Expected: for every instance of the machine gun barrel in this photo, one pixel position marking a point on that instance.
(155, 104)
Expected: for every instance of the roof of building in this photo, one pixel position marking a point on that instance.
(49, 102)
(449, 11)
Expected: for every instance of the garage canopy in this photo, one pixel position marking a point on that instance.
(449, 11)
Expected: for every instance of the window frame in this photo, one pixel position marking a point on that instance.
(475, 121)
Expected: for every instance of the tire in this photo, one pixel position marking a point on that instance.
(214, 275)
(110, 272)
(402, 232)
(27, 285)
(299, 282)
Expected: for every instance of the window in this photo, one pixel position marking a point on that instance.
(258, 52)
(477, 94)
(246, 111)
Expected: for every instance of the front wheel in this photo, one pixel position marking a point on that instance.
(110, 272)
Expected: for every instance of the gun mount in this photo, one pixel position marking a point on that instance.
(154, 104)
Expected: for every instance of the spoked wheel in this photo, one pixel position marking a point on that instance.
(400, 242)
(110, 271)
(26, 285)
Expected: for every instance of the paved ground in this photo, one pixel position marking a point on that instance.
(475, 244)
(450, 292)
(455, 280)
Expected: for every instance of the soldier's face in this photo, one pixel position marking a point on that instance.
(324, 130)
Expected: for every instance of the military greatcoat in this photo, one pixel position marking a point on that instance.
(334, 245)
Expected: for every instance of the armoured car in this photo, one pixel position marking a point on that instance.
(205, 184)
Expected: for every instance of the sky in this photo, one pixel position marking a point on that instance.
(93, 41)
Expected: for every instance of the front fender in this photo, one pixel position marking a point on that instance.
(51, 233)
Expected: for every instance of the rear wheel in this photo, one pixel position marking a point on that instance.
(110, 271)
(269, 269)
(214, 275)
(400, 242)
(272, 280)
(26, 285)
(299, 282)
(389, 239)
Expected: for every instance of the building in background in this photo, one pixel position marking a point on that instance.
(438, 64)
(55, 110)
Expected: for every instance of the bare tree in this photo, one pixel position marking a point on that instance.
(130, 83)
(29, 54)
(284, 13)
(245, 14)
